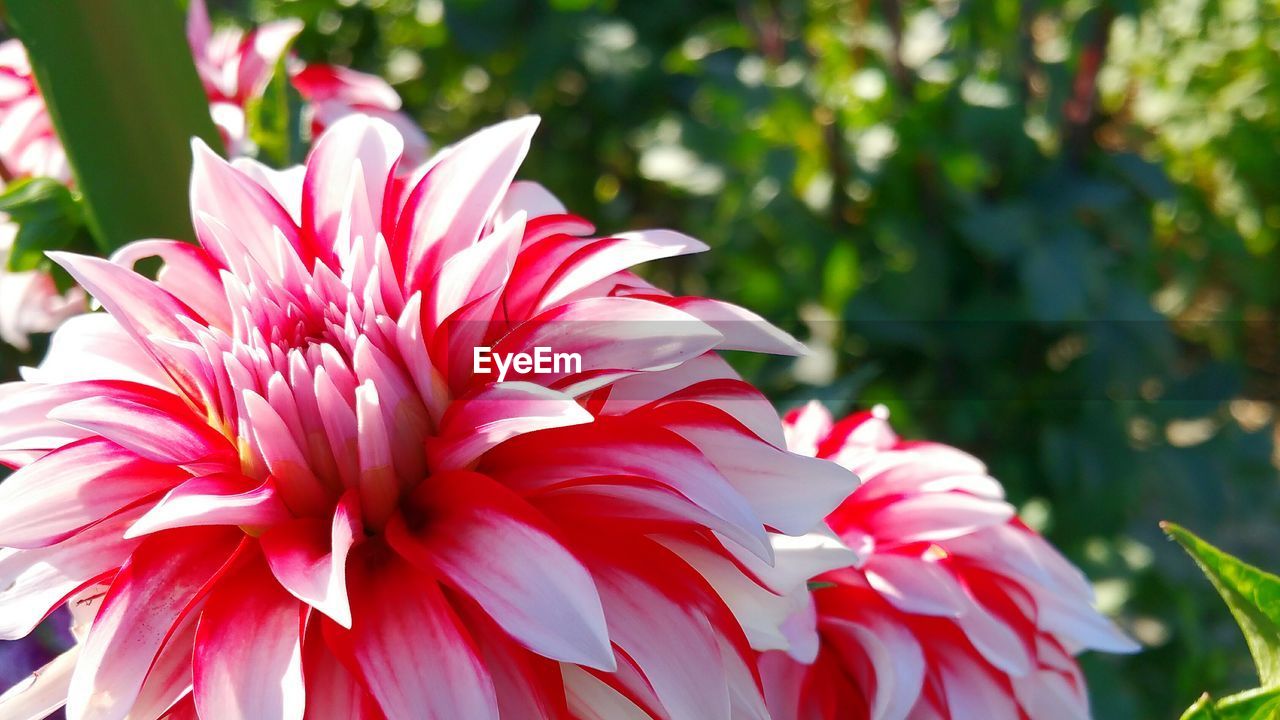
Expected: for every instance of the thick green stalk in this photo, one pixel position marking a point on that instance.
(124, 96)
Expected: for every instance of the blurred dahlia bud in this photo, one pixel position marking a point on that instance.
(236, 66)
(29, 146)
(275, 482)
(955, 608)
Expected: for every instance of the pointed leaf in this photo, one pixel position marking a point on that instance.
(1252, 595)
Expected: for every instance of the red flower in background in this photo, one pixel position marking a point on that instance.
(956, 609)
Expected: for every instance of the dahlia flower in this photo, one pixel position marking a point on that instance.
(955, 608)
(271, 484)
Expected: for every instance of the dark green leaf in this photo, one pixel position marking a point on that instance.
(123, 93)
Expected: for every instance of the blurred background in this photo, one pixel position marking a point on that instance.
(1044, 231)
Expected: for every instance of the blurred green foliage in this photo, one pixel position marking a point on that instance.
(1042, 230)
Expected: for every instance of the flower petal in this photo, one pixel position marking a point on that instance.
(251, 213)
(213, 500)
(156, 426)
(248, 649)
(914, 585)
(601, 258)
(309, 558)
(354, 144)
(895, 664)
(613, 337)
(332, 692)
(457, 198)
(565, 456)
(75, 486)
(155, 590)
(494, 414)
(789, 492)
(117, 356)
(490, 544)
(936, 517)
(189, 274)
(413, 653)
(33, 582)
(145, 311)
(673, 644)
(741, 328)
(43, 692)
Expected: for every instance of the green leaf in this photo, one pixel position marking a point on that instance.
(274, 120)
(1258, 704)
(1252, 595)
(124, 96)
(49, 217)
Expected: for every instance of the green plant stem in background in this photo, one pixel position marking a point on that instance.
(124, 96)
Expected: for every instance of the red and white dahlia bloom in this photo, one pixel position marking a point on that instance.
(236, 66)
(271, 485)
(955, 609)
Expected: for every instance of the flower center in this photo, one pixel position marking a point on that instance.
(319, 399)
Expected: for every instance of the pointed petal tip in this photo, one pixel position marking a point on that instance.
(62, 258)
(532, 121)
(74, 263)
(524, 126)
(605, 661)
(798, 348)
(200, 150)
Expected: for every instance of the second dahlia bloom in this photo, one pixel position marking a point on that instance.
(235, 67)
(270, 484)
(955, 609)
(29, 146)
